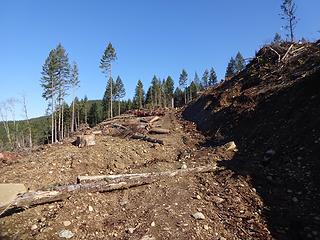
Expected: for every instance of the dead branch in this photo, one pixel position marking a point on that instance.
(156, 118)
(284, 57)
(147, 139)
(159, 131)
(119, 126)
(279, 57)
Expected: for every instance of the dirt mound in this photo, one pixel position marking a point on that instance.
(271, 110)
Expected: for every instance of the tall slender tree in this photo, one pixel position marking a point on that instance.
(205, 78)
(212, 77)
(288, 14)
(240, 63)
(120, 92)
(106, 97)
(183, 79)
(74, 82)
(139, 95)
(231, 68)
(107, 58)
(168, 89)
(49, 83)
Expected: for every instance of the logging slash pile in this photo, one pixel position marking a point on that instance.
(271, 110)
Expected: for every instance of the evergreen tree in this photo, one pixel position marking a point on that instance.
(74, 82)
(120, 92)
(277, 38)
(212, 77)
(288, 14)
(197, 81)
(193, 90)
(168, 90)
(178, 98)
(205, 79)
(139, 95)
(183, 79)
(231, 68)
(49, 82)
(93, 116)
(107, 58)
(240, 63)
(107, 111)
(63, 74)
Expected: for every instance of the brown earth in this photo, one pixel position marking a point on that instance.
(272, 111)
(161, 210)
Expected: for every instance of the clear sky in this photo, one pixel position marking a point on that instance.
(150, 36)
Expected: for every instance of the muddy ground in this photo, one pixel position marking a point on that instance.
(162, 210)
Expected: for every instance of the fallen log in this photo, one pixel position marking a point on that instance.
(159, 130)
(156, 118)
(102, 184)
(138, 176)
(119, 126)
(147, 139)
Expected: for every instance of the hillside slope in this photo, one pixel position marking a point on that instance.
(271, 110)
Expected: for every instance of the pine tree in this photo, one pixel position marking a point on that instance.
(93, 116)
(120, 92)
(288, 14)
(183, 79)
(74, 82)
(231, 68)
(63, 74)
(277, 38)
(193, 90)
(106, 98)
(49, 83)
(178, 97)
(212, 77)
(240, 63)
(205, 79)
(139, 95)
(168, 89)
(107, 58)
(197, 81)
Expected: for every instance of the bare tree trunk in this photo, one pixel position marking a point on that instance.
(119, 107)
(55, 127)
(111, 114)
(78, 117)
(62, 121)
(27, 118)
(72, 118)
(4, 117)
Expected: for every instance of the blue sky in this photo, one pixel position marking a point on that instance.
(150, 36)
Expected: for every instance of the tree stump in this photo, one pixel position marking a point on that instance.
(85, 140)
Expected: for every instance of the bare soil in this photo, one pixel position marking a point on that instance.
(162, 210)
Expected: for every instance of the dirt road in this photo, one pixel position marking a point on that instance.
(164, 210)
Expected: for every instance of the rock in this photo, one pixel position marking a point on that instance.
(9, 191)
(153, 224)
(218, 200)
(131, 230)
(66, 234)
(34, 227)
(198, 216)
(231, 146)
(206, 227)
(148, 237)
(66, 223)
(90, 209)
(198, 197)
(85, 140)
(294, 199)
(183, 166)
(222, 238)
(270, 152)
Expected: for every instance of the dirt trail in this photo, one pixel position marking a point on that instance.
(161, 210)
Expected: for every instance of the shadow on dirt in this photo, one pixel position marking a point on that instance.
(278, 148)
